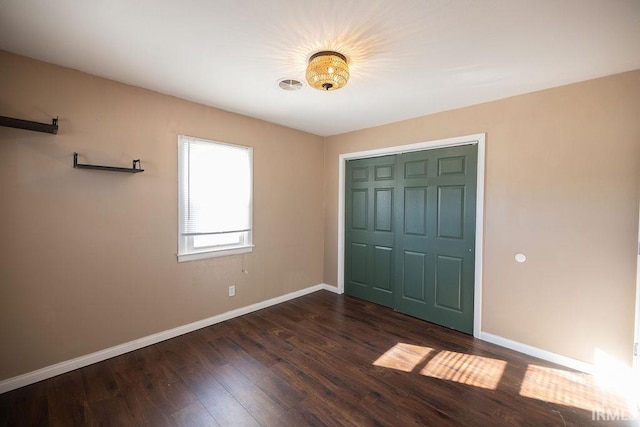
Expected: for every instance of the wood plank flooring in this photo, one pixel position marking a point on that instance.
(322, 359)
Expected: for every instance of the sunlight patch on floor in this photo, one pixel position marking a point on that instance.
(403, 357)
(573, 389)
(467, 369)
(558, 386)
(463, 368)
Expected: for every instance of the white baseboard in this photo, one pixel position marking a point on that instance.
(331, 288)
(89, 359)
(537, 352)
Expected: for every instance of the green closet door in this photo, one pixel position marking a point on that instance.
(369, 229)
(435, 235)
(410, 233)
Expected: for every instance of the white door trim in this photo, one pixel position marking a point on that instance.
(478, 139)
(636, 335)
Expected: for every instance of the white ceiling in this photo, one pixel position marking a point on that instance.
(408, 58)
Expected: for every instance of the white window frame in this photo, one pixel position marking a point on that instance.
(186, 249)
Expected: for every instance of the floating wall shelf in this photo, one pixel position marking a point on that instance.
(29, 125)
(132, 169)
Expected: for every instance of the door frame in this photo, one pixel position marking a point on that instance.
(478, 139)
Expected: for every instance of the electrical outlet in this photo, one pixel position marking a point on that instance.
(232, 291)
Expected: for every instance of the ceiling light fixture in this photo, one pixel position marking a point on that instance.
(327, 70)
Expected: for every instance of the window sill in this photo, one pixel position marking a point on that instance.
(215, 253)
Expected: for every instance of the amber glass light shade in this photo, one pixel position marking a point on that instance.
(327, 70)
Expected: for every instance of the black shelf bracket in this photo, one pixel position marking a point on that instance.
(29, 125)
(132, 169)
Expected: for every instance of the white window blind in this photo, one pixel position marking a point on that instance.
(215, 186)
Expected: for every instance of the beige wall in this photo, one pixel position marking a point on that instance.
(88, 258)
(562, 185)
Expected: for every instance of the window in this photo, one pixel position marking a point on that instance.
(215, 198)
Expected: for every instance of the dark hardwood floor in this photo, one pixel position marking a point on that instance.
(321, 359)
